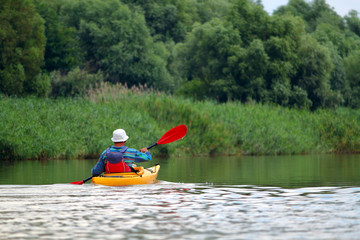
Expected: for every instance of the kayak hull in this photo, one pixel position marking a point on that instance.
(145, 176)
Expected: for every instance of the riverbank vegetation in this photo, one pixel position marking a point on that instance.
(36, 128)
(243, 81)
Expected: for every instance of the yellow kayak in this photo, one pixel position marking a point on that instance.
(142, 176)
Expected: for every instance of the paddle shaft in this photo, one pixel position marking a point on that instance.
(85, 180)
(155, 144)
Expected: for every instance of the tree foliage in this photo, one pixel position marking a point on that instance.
(314, 13)
(21, 48)
(352, 69)
(304, 55)
(118, 42)
(62, 51)
(353, 22)
(206, 50)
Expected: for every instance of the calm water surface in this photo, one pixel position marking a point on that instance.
(301, 197)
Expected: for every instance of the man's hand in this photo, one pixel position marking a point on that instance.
(144, 150)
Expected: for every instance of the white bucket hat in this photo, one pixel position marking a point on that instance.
(119, 135)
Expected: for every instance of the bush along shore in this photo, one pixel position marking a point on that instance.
(44, 128)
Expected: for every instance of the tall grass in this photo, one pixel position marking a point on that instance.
(67, 128)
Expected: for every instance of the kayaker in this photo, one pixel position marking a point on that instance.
(120, 158)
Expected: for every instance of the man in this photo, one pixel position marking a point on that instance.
(119, 158)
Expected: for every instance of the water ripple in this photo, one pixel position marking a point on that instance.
(178, 211)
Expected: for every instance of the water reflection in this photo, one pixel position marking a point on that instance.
(178, 211)
(281, 171)
(284, 171)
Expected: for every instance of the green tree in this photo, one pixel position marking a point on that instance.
(209, 9)
(314, 74)
(284, 38)
(352, 63)
(117, 41)
(294, 7)
(314, 13)
(249, 19)
(161, 18)
(168, 20)
(22, 49)
(326, 33)
(62, 51)
(353, 22)
(338, 45)
(248, 68)
(204, 57)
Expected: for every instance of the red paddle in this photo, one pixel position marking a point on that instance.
(172, 135)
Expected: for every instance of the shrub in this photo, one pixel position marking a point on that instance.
(76, 83)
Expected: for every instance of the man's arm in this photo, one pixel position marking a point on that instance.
(133, 155)
(99, 167)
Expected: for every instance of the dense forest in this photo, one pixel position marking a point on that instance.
(304, 55)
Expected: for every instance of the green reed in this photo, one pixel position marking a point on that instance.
(34, 128)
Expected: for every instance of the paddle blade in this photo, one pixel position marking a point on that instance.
(77, 183)
(173, 135)
(81, 182)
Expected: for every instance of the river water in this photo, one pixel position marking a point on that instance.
(286, 197)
